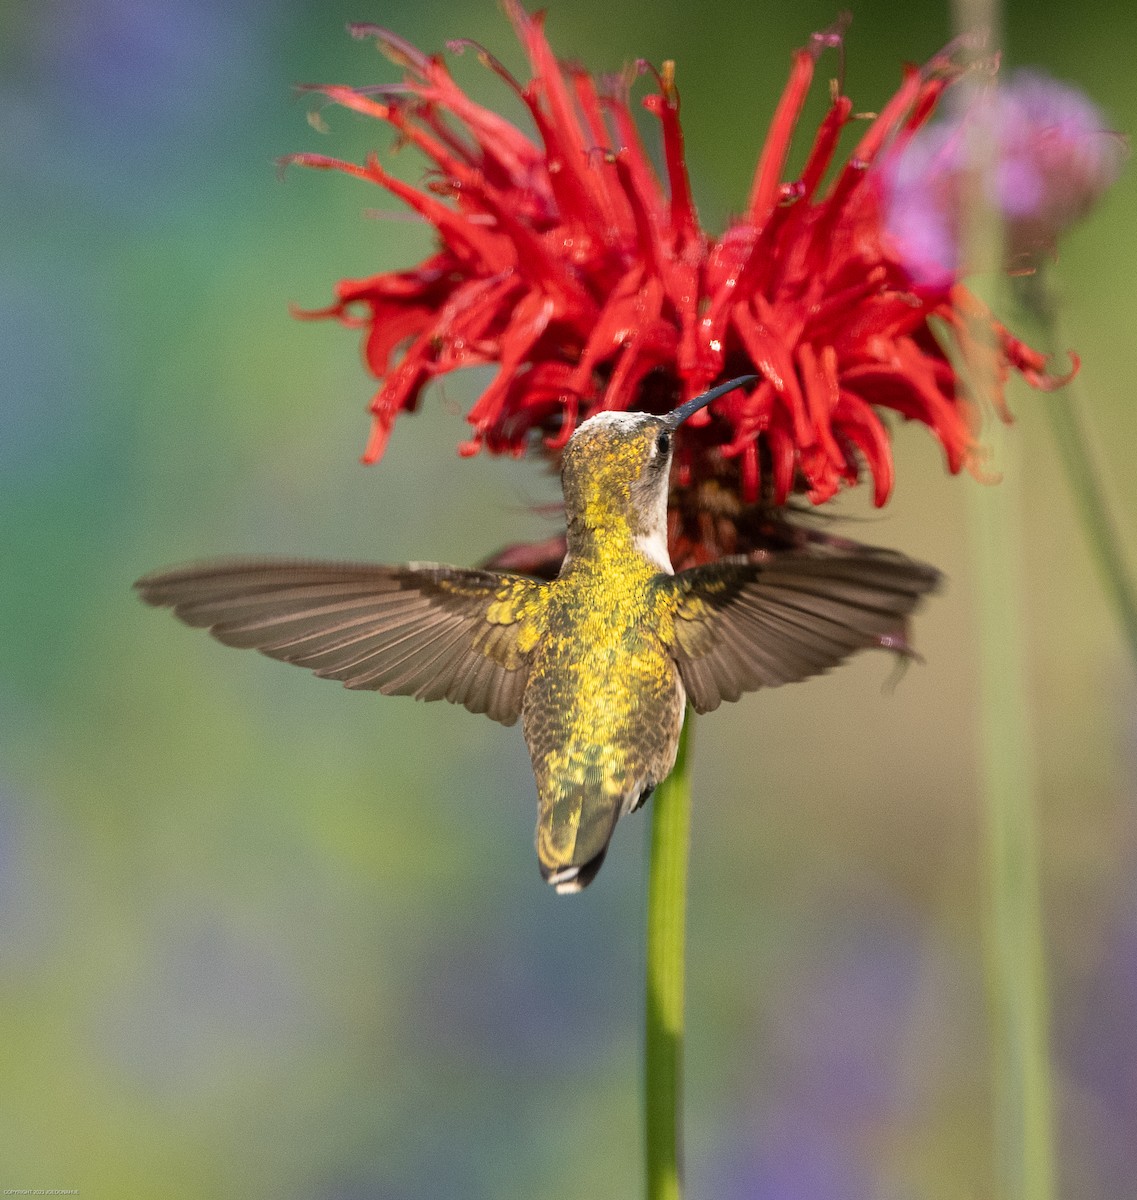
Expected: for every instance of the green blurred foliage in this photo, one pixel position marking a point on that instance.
(262, 937)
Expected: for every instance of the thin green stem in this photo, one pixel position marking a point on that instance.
(666, 941)
(1017, 986)
(1099, 527)
(1065, 411)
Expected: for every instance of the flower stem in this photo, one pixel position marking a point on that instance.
(666, 917)
(1016, 975)
(1017, 987)
(1065, 408)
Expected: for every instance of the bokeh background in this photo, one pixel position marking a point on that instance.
(262, 937)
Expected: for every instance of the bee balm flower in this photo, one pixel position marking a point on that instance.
(567, 262)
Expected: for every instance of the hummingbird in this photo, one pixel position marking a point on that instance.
(599, 663)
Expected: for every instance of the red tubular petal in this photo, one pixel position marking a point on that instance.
(1022, 357)
(348, 97)
(907, 385)
(398, 393)
(651, 347)
(770, 357)
(888, 120)
(748, 418)
(727, 260)
(537, 397)
(568, 173)
(647, 231)
(824, 481)
(857, 421)
(517, 160)
(926, 102)
(496, 136)
(819, 385)
(644, 183)
(682, 282)
(467, 240)
(381, 424)
(632, 302)
(530, 320)
(537, 258)
(783, 456)
(322, 162)
(469, 321)
(390, 331)
(602, 161)
(546, 69)
(401, 52)
(764, 190)
(878, 319)
(439, 151)
(321, 314)
(569, 421)
(683, 218)
(832, 313)
(566, 148)
(824, 146)
(584, 88)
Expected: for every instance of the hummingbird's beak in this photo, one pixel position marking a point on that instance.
(679, 415)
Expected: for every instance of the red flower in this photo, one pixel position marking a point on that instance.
(588, 281)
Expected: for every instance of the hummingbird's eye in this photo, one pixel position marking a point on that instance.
(663, 442)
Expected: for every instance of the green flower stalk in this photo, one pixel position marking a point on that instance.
(666, 959)
(1068, 421)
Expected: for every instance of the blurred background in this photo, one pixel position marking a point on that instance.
(262, 937)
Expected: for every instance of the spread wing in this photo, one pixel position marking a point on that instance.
(742, 625)
(421, 630)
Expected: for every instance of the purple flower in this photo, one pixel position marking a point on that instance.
(1053, 157)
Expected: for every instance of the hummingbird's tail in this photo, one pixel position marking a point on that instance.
(574, 826)
(567, 880)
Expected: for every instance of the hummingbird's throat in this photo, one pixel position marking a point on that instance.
(606, 537)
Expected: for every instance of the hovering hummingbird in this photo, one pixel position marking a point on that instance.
(598, 663)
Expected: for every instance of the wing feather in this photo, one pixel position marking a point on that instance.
(423, 630)
(385, 662)
(743, 625)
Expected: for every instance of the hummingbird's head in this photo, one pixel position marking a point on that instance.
(615, 474)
